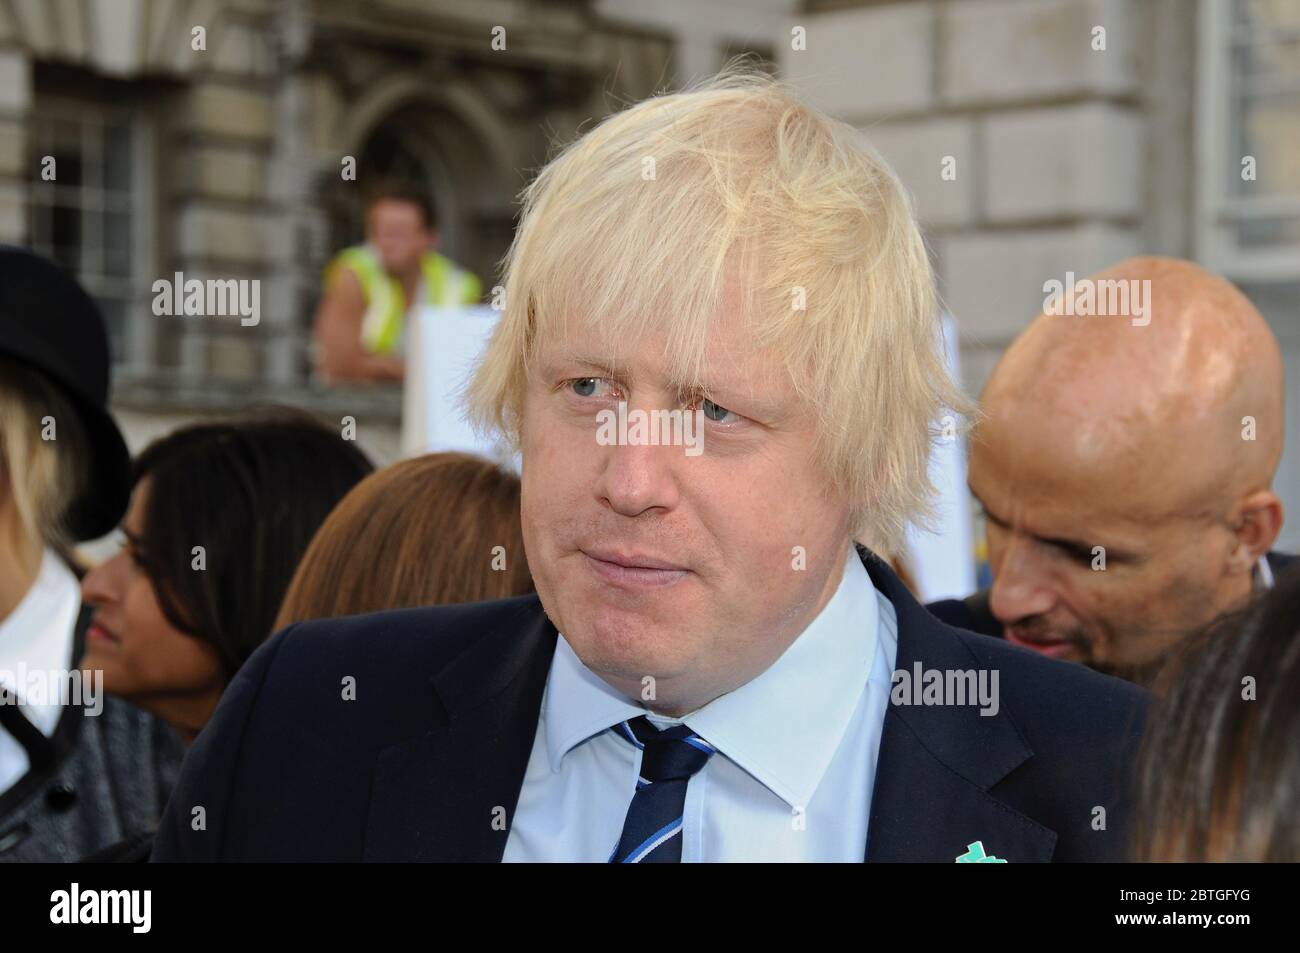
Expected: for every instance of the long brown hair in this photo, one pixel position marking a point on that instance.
(1219, 775)
(436, 529)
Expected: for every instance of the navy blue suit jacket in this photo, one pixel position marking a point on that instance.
(433, 749)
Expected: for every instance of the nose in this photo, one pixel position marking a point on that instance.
(99, 586)
(639, 478)
(1022, 585)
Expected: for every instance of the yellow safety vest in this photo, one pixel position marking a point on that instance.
(446, 286)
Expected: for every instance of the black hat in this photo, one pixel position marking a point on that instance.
(50, 323)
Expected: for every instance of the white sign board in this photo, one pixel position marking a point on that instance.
(442, 347)
(943, 562)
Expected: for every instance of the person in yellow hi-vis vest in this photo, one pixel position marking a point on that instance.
(371, 289)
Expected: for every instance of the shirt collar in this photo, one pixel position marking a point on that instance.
(578, 704)
(1263, 573)
(36, 638)
(783, 727)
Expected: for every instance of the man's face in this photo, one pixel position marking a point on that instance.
(398, 230)
(655, 564)
(1046, 512)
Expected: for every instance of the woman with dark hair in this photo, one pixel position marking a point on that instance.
(435, 529)
(219, 516)
(1220, 764)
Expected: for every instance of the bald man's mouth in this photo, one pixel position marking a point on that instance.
(1046, 644)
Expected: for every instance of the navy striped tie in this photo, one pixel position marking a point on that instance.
(652, 832)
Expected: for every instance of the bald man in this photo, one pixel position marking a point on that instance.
(1125, 463)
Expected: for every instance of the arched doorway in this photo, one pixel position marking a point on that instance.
(400, 147)
(425, 141)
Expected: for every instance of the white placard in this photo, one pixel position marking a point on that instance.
(943, 562)
(442, 347)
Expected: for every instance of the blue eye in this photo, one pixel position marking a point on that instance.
(584, 386)
(713, 411)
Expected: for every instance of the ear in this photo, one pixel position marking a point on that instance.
(1256, 522)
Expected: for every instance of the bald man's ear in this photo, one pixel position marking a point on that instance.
(1257, 522)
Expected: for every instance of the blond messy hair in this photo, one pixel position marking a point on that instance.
(640, 224)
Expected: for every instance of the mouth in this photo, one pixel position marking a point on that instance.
(633, 570)
(1055, 648)
(98, 634)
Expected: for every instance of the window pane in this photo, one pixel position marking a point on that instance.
(42, 225)
(1269, 130)
(117, 158)
(67, 170)
(67, 225)
(64, 136)
(1264, 97)
(115, 317)
(85, 218)
(1266, 232)
(1266, 13)
(117, 244)
(1268, 64)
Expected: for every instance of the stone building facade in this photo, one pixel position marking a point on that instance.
(209, 138)
(1071, 153)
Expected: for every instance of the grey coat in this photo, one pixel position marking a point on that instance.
(100, 780)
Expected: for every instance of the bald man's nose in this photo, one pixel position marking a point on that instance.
(638, 477)
(1021, 585)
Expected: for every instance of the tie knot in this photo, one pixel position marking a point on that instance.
(673, 754)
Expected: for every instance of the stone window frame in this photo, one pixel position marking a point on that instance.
(133, 337)
(1269, 276)
(1220, 214)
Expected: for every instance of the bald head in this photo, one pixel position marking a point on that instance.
(1132, 432)
(1177, 384)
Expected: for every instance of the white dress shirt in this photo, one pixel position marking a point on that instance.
(36, 638)
(1264, 573)
(796, 761)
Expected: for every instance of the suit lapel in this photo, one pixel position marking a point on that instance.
(937, 763)
(450, 795)
(930, 800)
